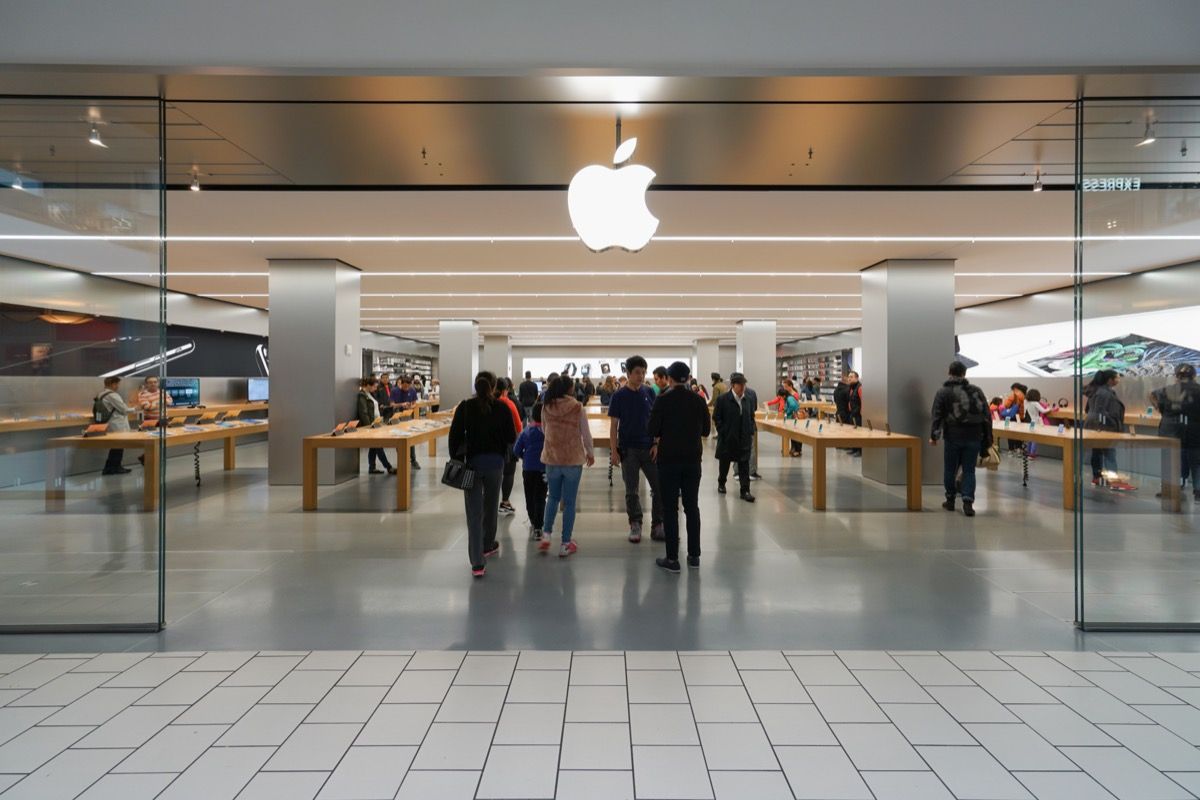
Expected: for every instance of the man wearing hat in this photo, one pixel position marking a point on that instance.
(678, 424)
(733, 416)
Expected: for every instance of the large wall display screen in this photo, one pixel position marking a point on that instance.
(1150, 344)
(595, 368)
(38, 342)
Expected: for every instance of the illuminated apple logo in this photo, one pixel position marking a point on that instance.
(608, 206)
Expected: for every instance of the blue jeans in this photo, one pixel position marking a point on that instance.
(563, 485)
(1104, 459)
(966, 456)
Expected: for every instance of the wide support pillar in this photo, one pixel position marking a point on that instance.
(316, 360)
(706, 356)
(908, 342)
(497, 356)
(458, 359)
(756, 356)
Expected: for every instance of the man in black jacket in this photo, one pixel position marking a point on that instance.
(366, 410)
(961, 416)
(679, 422)
(733, 417)
(527, 395)
(1180, 408)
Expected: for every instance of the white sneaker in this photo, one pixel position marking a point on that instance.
(567, 549)
(507, 509)
(635, 533)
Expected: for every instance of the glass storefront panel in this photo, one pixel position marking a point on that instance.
(1136, 351)
(80, 194)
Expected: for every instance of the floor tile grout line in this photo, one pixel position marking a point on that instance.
(758, 716)
(687, 688)
(496, 726)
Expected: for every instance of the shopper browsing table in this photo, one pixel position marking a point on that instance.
(151, 400)
(109, 406)
(366, 410)
(404, 396)
(1105, 412)
(629, 414)
(678, 424)
(1180, 408)
(961, 417)
(567, 448)
(481, 434)
(733, 418)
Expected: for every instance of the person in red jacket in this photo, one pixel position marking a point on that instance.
(503, 390)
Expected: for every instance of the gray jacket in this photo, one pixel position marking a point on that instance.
(119, 421)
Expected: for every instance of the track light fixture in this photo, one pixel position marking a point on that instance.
(1148, 137)
(1037, 181)
(94, 138)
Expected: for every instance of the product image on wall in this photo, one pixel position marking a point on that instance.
(1131, 355)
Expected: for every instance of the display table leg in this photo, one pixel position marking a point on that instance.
(783, 443)
(433, 447)
(150, 478)
(56, 478)
(403, 476)
(818, 488)
(1068, 478)
(308, 472)
(230, 454)
(1171, 490)
(913, 463)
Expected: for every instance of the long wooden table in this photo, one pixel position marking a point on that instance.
(823, 435)
(1049, 435)
(402, 436)
(147, 442)
(1132, 419)
(76, 419)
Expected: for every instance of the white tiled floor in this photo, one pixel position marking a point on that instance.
(756, 725)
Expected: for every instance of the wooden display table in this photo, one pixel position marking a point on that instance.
(822, 436)
(1133, 420)
(147, 442)
(76, 419)
(402, 436)
(1049, 435)
(822, 407)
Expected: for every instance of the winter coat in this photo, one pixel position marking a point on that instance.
(1105, 411)
(735, 427)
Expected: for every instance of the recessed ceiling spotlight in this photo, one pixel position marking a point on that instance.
(1148, 137)
(195, 187)
(94, 138)
(1037, 181)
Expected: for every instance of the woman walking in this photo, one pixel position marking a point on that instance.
(482, 434)
(568, 447)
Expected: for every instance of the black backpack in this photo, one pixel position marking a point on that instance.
(968, 406)
(101, 413)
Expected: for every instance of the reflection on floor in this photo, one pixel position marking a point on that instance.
(248, 569)
(354, 725)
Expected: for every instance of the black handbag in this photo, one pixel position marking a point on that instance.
(458, 475)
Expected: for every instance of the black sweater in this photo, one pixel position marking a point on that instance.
(475, 432)
(678, 421)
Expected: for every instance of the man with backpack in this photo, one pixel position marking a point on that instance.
(961, 416)
(527, 395)
(109, 407)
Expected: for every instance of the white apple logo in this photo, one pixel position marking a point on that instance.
(608, 206)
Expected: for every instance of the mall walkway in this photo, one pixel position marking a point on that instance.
(538, 724)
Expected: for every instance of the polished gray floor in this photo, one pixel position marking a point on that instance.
(248, 569)
(600, 725)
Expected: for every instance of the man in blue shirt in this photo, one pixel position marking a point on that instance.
(629, 416)
(404, 395)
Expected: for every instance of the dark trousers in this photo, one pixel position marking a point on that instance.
(1190, 464)
(964, 456)
(743, 471)
(677, 481)
(482, 502)
(510, 474)
(1104, 458)
(377, 453)
(634, 463)
(113, 462)
(535, 496)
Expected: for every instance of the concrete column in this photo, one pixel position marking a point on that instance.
(756, 355)
(908, 341)
(316, 362)
(706, 356)
(458, 359)
(497, 356)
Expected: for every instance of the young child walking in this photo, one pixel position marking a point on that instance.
(533, 472)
